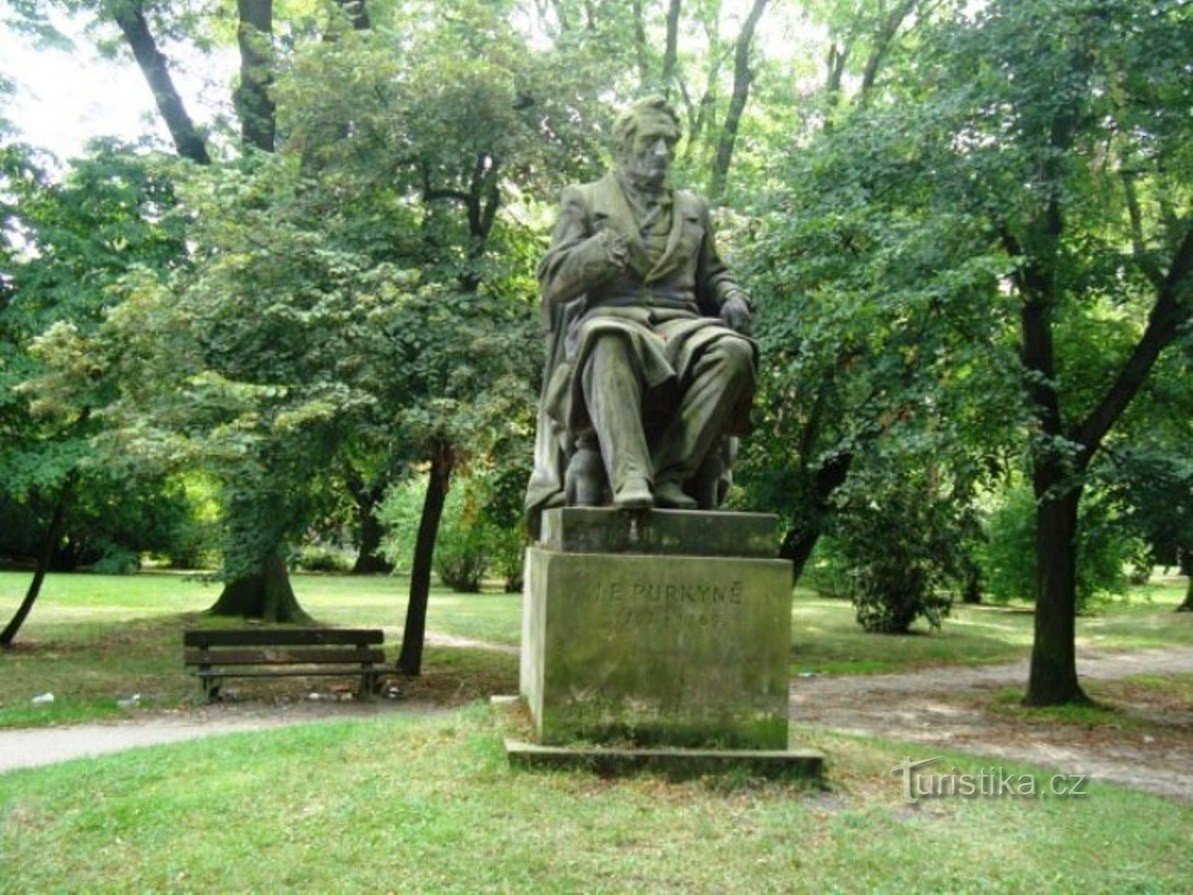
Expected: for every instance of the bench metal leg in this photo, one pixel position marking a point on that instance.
(368, 685)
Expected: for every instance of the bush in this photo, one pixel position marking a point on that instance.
(462, 556)
(322, 558)
(508, 551)
(116, 561)
(827, 570)
(899, 545)
(470, 543)
(1008, 557)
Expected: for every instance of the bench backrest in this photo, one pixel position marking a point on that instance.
(203, 639)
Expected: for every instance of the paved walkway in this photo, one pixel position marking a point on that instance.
(36, 746)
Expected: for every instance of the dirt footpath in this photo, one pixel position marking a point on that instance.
(1147, 743)
(36, 746)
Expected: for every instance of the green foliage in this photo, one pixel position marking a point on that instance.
(462, 556)
(1152, 481)
(827, 570)
(111, 213)
(472, 542)
(899, 543)
(1105, 549)
(321, 558)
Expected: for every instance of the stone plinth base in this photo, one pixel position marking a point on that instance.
(675, 763)
(652, 647)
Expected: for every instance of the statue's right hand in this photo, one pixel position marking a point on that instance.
(735, 313)
(617, 250)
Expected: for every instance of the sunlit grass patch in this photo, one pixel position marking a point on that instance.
(428, 804)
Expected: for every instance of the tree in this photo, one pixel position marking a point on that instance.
(254, 103)
(1081, 100)
(256, 362)
(442, 156)
(1035, 146)
(875, 318)
(136, 21)
(78, 237)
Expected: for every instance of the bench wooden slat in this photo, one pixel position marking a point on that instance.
(283, 637)
(323, 671)
(213, 655)
(284, 656)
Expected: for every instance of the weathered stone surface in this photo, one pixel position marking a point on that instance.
(689, 651)
(678, 532)
(675, 763)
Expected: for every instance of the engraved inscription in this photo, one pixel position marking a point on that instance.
(671, 604)
(650, 593)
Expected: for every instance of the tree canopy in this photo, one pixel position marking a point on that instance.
(966, 231)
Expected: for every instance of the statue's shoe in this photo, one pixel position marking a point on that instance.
(633, 495)
(671, 496)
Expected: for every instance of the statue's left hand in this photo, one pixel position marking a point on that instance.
(735, 312)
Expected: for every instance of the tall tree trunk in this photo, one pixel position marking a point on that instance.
(53, 535)
(410, 659)
(265, 594)
(368, 559)
(1187, 571)
(805, 531)
(883, 41)
(743, 77)
(254, 105)
(640, 54)
(130, 17)
(1053, 676)
(357, 12)
(671, 52)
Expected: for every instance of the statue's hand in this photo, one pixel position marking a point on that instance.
(735, 312)
(617, 249)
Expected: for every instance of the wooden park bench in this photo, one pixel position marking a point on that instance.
(284, 652)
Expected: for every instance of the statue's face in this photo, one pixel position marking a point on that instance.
(647, 160)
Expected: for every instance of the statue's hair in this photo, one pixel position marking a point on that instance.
(625, 128)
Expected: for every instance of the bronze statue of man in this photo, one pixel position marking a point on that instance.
(650, 368)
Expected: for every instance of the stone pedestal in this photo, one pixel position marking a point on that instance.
(659, 628)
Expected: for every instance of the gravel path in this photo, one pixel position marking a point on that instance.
(947, 707)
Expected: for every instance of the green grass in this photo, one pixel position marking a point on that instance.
(827, 640)
(93, 640)
(419, 803)
(428, 804)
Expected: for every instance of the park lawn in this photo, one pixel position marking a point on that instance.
(409, 803)
(827, 640)
(94, 641)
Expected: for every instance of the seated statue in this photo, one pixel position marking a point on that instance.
(650, 368)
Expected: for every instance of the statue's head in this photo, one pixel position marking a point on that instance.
(644, 138)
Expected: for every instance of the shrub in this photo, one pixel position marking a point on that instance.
(1008, 557)
(827, 570)
(899, 545)
(116, 560)
(508, 551)
(462, 555)
(470, 543)
(322, 558)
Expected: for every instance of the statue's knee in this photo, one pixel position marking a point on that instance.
(735, 356)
